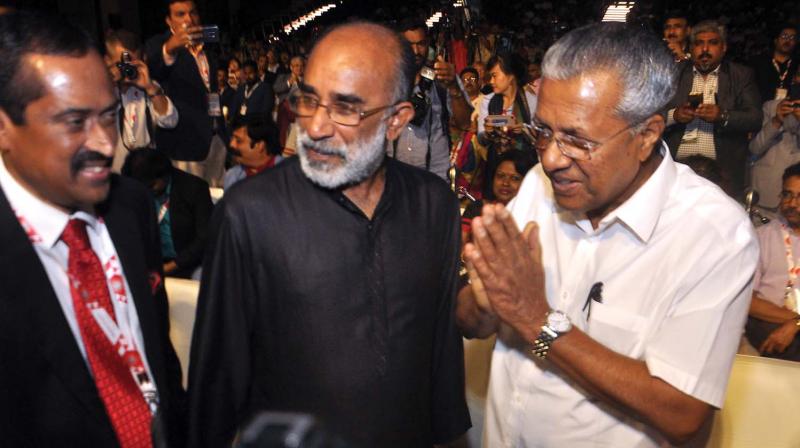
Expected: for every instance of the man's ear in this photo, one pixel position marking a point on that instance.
(261, 146)
(403, 113)
(6, 127)
(651, 130)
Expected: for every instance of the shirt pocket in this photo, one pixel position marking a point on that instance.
(618, 329)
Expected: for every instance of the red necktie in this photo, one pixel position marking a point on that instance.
(124, 403)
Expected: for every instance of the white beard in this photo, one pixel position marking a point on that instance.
(359, 160)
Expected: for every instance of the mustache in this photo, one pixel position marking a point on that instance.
(704, 54)
(234, 152)
(323, 148)
(86, 157)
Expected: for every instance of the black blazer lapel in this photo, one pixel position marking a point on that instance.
(724, 98)
(25, 281)
(121, 223)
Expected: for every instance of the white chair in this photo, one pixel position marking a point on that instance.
(182, 305)
(761, 408)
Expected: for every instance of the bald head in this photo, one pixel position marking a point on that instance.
(388, 55)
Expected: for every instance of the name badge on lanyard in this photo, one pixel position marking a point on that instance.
(214, 109)
(162, 211)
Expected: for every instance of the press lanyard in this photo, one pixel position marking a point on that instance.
(248, 93)
(162, 211)
(781, 75)
(790, 294)
(119, 333)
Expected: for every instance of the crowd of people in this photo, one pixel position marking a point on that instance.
(389, 191)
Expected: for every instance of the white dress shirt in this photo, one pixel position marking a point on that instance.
(49, 222)
(698, 138)
(676, 261)
(134, 124)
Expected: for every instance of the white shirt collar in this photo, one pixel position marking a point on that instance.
(641, 211)
(714, 72)
(47, 220)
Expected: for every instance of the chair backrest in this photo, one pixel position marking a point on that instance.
(761, 407)
(182, 306)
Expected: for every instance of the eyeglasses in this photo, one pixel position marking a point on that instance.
(345, 114)
(788, 196)
(576, 148)
(467, 79)
(785, 36)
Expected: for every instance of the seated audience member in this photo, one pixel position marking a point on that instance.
(254, 146)
(776, 146)
(253, 97)
(512, 167)
(773, 322)
(140, 96)
(183, 205)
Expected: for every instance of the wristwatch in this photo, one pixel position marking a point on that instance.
(557, 324)
(723, 117)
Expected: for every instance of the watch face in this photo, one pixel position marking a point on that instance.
(558, 321)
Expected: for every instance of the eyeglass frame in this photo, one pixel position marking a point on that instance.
(593, 146)
(788, 196)
(361, 114)
(785, 36)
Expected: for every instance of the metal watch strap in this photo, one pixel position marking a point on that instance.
(541, 346)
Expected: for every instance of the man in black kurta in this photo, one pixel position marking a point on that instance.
(318, 299)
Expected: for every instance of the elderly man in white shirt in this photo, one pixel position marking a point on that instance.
(619, 308)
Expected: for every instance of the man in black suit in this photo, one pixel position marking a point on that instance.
(84, 329)
(184, 209)
(724, 107)
(178, 61)
(254, 97)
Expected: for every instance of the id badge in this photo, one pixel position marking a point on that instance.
(214, 110)
(781, 93)
(243, 109)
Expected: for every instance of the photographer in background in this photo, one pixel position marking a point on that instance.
(143, 102)
(776, 145)
(178, 60)
(505, 112)
(425, 142)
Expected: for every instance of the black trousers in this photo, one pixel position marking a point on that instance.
(757, 332)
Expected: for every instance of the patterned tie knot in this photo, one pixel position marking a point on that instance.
(75, 236)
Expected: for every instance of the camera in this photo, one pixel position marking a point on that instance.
(127, 71)
(422, 105)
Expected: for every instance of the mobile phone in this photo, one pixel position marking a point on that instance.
(210, 34)
(499, 120)
(695, 100)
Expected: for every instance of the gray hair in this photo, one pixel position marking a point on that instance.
(708, 26)
(644, 65)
